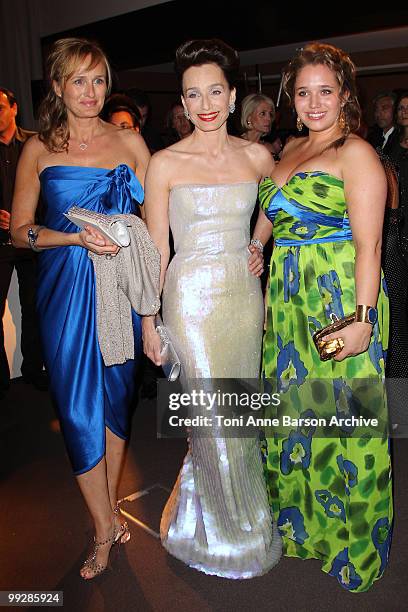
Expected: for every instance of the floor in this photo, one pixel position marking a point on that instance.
(45, 530)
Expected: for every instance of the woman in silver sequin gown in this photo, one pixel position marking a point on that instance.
(217, 518)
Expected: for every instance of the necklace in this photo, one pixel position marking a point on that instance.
(83, 146)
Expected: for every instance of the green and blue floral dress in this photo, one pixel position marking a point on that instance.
(330, 488)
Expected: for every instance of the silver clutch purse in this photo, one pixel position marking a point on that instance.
(170, 361)
(109, 226)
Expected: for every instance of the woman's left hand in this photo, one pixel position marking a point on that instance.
(255, 261)
(356, 339)
(92, 240)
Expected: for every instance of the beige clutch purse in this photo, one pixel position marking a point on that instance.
(109, 226)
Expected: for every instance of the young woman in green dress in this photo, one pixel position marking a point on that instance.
(330, 487)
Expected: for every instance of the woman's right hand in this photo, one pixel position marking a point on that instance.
(355, 338)
(151, 340)
(92, 240)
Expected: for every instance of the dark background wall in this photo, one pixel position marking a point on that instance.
(140, 37)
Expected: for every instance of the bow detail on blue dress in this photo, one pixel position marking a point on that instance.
(122, 182)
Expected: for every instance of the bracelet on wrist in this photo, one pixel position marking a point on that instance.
(366, 314)
(32, 235)
(257, 244)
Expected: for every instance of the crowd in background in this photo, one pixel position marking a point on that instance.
(258, 121)
(321, 204)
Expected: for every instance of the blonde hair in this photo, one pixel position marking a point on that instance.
(249, 104)
(65, 56)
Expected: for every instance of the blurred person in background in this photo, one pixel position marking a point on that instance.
(177, 124)
(12, 139)
(399, 151)
(120, 110)
(383, 134)
(151, 136)
(257, 117)
(395, 265)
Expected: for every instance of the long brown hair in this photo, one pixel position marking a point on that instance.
(63, 59)
(345, 71)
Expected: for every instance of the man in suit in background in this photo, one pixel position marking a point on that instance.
(384, 134)
(12, 139)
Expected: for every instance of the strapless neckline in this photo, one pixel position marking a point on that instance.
(211, 185)
(92, 168)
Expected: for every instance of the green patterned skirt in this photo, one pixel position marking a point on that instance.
(330, 487)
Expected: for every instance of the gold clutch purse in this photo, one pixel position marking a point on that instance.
(329, 348)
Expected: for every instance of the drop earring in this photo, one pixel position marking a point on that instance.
(299, 124)
(342, 120)
(231, 107)
(187, 114)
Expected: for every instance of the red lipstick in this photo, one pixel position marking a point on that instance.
(208, 116)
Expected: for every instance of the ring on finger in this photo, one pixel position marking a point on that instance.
(339, 344)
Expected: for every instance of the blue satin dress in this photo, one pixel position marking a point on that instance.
(89, 395)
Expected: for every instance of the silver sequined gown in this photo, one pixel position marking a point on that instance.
(217, 518)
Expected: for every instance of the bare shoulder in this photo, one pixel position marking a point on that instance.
(161, 158)
(358, 150)
(253, 150)
(33, 150)
(177, 153)
(268, 146)
(260, 158)
(161, 166)
(126, 138)
(360, 163)
(242, 144)
(359, 160)
(129, 138)
(34, 145)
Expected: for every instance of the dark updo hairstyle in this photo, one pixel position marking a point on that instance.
(208, 51)
(345, 71)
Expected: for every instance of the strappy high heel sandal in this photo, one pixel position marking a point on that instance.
(126, 534)
(119, 536)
